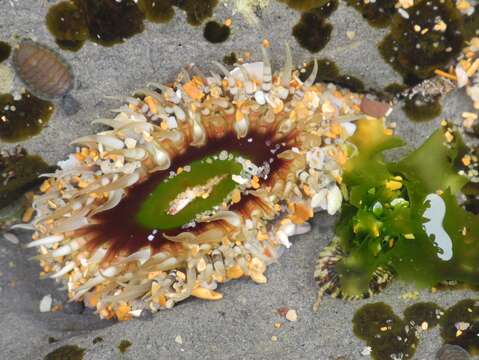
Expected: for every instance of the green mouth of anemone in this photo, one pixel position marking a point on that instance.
(209, 171)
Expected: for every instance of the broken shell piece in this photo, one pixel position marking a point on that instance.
(375, 108)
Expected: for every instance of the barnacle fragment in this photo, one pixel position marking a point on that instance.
(195, 184)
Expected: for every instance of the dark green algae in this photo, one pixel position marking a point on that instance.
(108, 22)
(215, 32)
(124, 345)
(23, 118)
(67, 352)
(416, 54)
(467, 313)
(420, 108)
(382, 221)
(19, 173)
(384, 331)
(378, 13)
(313, 31)
(5, 50)
(387, 334)
(329, 72)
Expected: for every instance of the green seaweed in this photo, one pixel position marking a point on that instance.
(153, 212)
(384, 222)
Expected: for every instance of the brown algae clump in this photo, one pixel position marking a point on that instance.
(378, 13)
(109, 22)
(390, 337)
(329, 72)
(208, 177)
(67, 352)
(105, 22)
(5, 50)
(42, 70)
(423, 315)
(313, 31)
(460, 325)
(23, 118)
(306, 5)
(19, 173)
(215, 32)
(124, 345)
(384, 332)
(419, 108)
(423, 38)
(157, 11)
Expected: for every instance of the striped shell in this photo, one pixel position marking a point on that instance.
(42, 70)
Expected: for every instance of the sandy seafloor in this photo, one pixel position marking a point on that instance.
(241, 325)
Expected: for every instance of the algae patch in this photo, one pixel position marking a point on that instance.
(460, 325)
(377, 13)
(385, 332)
(420, 109)
(215, 32)
(391, 337)
(313, 31)
(67, 352)
(429, 38)
(19, 172)
(108, 22)
(5, 50)
(23, 118)
(329, 72)
(124, 345)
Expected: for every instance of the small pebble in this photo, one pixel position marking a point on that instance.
(179, 340)
(282, 311)
(69, 105)
(11, 238)
(46, 303)
(274, 338)
(452, 352)
(366, 351)
(291, 315)
(350, 35)
(146, 315)
(374, 108)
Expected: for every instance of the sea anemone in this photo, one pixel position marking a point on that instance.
(196, 183)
